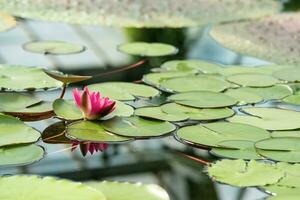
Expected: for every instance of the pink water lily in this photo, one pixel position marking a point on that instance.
(89, 147)
(92, 105)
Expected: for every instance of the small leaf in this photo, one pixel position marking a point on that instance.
(66, 78)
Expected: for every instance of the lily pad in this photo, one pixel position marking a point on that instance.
(243, 96)
(286, 149)
(281, 190)
(137, 127)
(244, 174)
(261, 69)
(274, 38)
(295, 133)
(55, 134)
(288, 74)
(66, 78)
(292, 177)
(293, 99)
(197, 113)
(14, 131)
(238, 149)
(269, 118)
(191, 65)
(130, 191)
(20, 78)
(10, 102)
(20, 155)
(92, 132)
(203, 99)
(124, 91)
(253, 80)
(53, 47)
(6, 22)
(158, 113)
(147, 49)
(33, 187)
(211, 134)
(197, 83)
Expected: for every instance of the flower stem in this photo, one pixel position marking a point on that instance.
(64, 87)
(203, 162)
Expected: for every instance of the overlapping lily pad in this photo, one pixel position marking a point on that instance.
(53, 47)
(14, 101)
(124, 91)
(244, 174)
(253, 80)
(19, 78)
(261, 69)
(294, 133)
(293, 99)
(288, 74)
(6, 22)
(203, 99)
(292, 177)
(137, 127)
(147, 49)
(243, 96)
(197, 113)
(55, 134)
(269, 118)
(66, 78)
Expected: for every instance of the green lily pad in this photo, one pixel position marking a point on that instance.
(130, 191)
(253, 80)
(137, 127)
(295, 133)
(285, 197)
(211, 134)
(281, 190)
(147, 49)
(293, 99)
(66, 78)
(203, 99)
(20, 78)
(269, 118)
(53, 47)
(288, 74)
(92, 132)
(197, 113)
(273, 38)
(6, 22)
(124, 91)
(55, 134)
(238, 149)
(286, 149)
(243, 96)
(191, 65)
(261, 69)
(292, 177)
(158, 113)
(10, 102)
(20, 155)
(33, 187)
(244, 174)
(14, 131)
(197, 83)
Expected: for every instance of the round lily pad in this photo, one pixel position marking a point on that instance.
(19, 78)
(10, 102)
(6, 22)
(197, 113)
(20, 155)
(243, 96)
(281, 190)
(53, 47)
(269, 118)
(147, 49)
(244, 174)
(286, 149)
(211, 134)
(261, 69)
(55, 134)
(191, 65)
(158, 113)
(238, 149)
(292, 177)
(124, 91)
(253, 80)
(295, 133)
(203, 99)
(66, 78)
(130, 191)
(288, 74)
(293, 99)
(33, 187)
(92, 132)
(197, 83)
(137, 127)
(14, 131)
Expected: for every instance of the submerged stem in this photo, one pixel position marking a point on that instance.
(196, 159)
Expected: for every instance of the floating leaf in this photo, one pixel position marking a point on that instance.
(6, 22)
(137, 127)
(147, 49)
(261, 69)
(14, 131)
(281, 190)
(130, 191)
(269, 118)
(10, 102)
(273, 38)
(211, 134)
(124, 91)
(288, 74)
(243, 96)
(66, 78)
(293, 99)
(292, 177)
(244, 174)
(149, 13)
(295, 133)
(286, 149)
(20, 187)
(55, 134)
(203, 99)
(238, 149)
(20, 155)
(53, 47)
(92, 132)
(197, 113)
(19, 78)
(197, 83)
(253, 80)
(158, 113)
